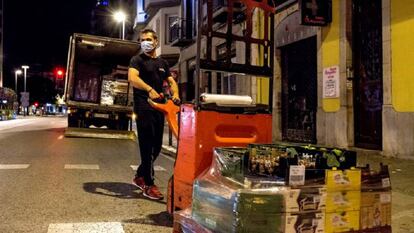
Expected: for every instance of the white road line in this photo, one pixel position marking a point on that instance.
(14, 166)
(159, 168)
(98, 227)
(82, 166)
(156, 168)
(60, 137)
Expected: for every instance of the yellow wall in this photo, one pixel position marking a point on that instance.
(330, 52)
(262, 83)
(402, 50)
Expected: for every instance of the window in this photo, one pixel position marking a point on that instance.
(172, 27)
(190, 16)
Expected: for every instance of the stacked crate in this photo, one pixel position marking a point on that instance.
(288, 188)
(343, 200)
(375, 200)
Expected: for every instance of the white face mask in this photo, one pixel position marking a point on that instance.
(147, 46)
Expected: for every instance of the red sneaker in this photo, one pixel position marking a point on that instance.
(139, 182)
(152, 192)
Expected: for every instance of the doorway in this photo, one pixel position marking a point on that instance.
(367, 63)
(299, 91)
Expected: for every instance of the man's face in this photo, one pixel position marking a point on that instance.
(149, 37)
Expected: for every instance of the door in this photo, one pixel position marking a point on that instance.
(299, 91)
(367, 63)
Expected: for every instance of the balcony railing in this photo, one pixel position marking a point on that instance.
(152, 6)
(182, 33)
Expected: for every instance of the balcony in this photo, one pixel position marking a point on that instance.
(152, 6)
(182, 33)
(220, 11)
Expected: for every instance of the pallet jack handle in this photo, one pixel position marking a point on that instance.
(170, 110)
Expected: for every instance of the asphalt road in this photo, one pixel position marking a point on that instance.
(49, 183)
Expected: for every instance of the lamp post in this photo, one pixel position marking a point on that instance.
(16, 73)
(120, 17)
(25, 67)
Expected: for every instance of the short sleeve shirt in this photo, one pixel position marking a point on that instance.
(153, 71)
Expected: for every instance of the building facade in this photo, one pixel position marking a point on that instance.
(347, 83)
(1, 43)
(342, 71)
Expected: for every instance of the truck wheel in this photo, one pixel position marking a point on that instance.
(72, 121)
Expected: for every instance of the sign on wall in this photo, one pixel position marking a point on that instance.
(331, 82)
(316, 12)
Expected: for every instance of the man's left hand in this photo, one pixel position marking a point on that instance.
(176, 99)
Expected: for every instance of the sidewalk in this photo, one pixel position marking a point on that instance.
(402, 180)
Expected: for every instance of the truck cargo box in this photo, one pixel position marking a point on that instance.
(97, 90)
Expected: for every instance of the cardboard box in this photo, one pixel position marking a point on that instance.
(375, 209)
(342, 221)
(306, 199)
(343, 201)
(375, 179)
(305, 222)
(343, 180)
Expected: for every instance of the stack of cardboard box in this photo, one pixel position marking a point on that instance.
(375, 200)
(288, 188)
(343, 200)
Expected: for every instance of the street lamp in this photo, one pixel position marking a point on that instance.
(24, 67)
(120, 17)
(16, 73)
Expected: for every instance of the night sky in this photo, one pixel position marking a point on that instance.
(37, 32)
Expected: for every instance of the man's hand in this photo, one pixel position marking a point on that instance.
(176, 98)
(153, 94)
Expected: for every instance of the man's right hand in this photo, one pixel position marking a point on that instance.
(154, 95)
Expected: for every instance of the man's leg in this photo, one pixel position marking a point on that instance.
(145, 138)
(151, 191)
(158, 135)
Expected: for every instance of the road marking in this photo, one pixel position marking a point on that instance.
(14, 166)
(159, 168)
(101, 227)
(60, 137)
(156, 168)
(82, 166)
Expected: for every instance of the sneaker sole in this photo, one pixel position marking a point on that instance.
(152, 198)
(142, 188)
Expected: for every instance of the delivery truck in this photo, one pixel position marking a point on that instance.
(97, 92)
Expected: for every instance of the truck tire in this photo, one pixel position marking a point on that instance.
(72, 121)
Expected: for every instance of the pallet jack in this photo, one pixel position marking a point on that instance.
(214, 120)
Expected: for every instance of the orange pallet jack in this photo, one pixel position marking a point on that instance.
(200, 130)
(204, 125)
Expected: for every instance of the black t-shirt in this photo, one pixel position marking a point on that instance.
(153, 71)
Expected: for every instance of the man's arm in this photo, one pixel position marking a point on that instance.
(137, 82)
(174, 88)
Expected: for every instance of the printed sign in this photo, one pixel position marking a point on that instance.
(316, 12)
(297, 175)
(331, 82)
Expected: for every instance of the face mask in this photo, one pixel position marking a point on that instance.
(147, 46)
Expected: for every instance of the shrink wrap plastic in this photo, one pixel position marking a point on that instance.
(226, 100)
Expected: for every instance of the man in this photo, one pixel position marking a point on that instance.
(146, 73)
